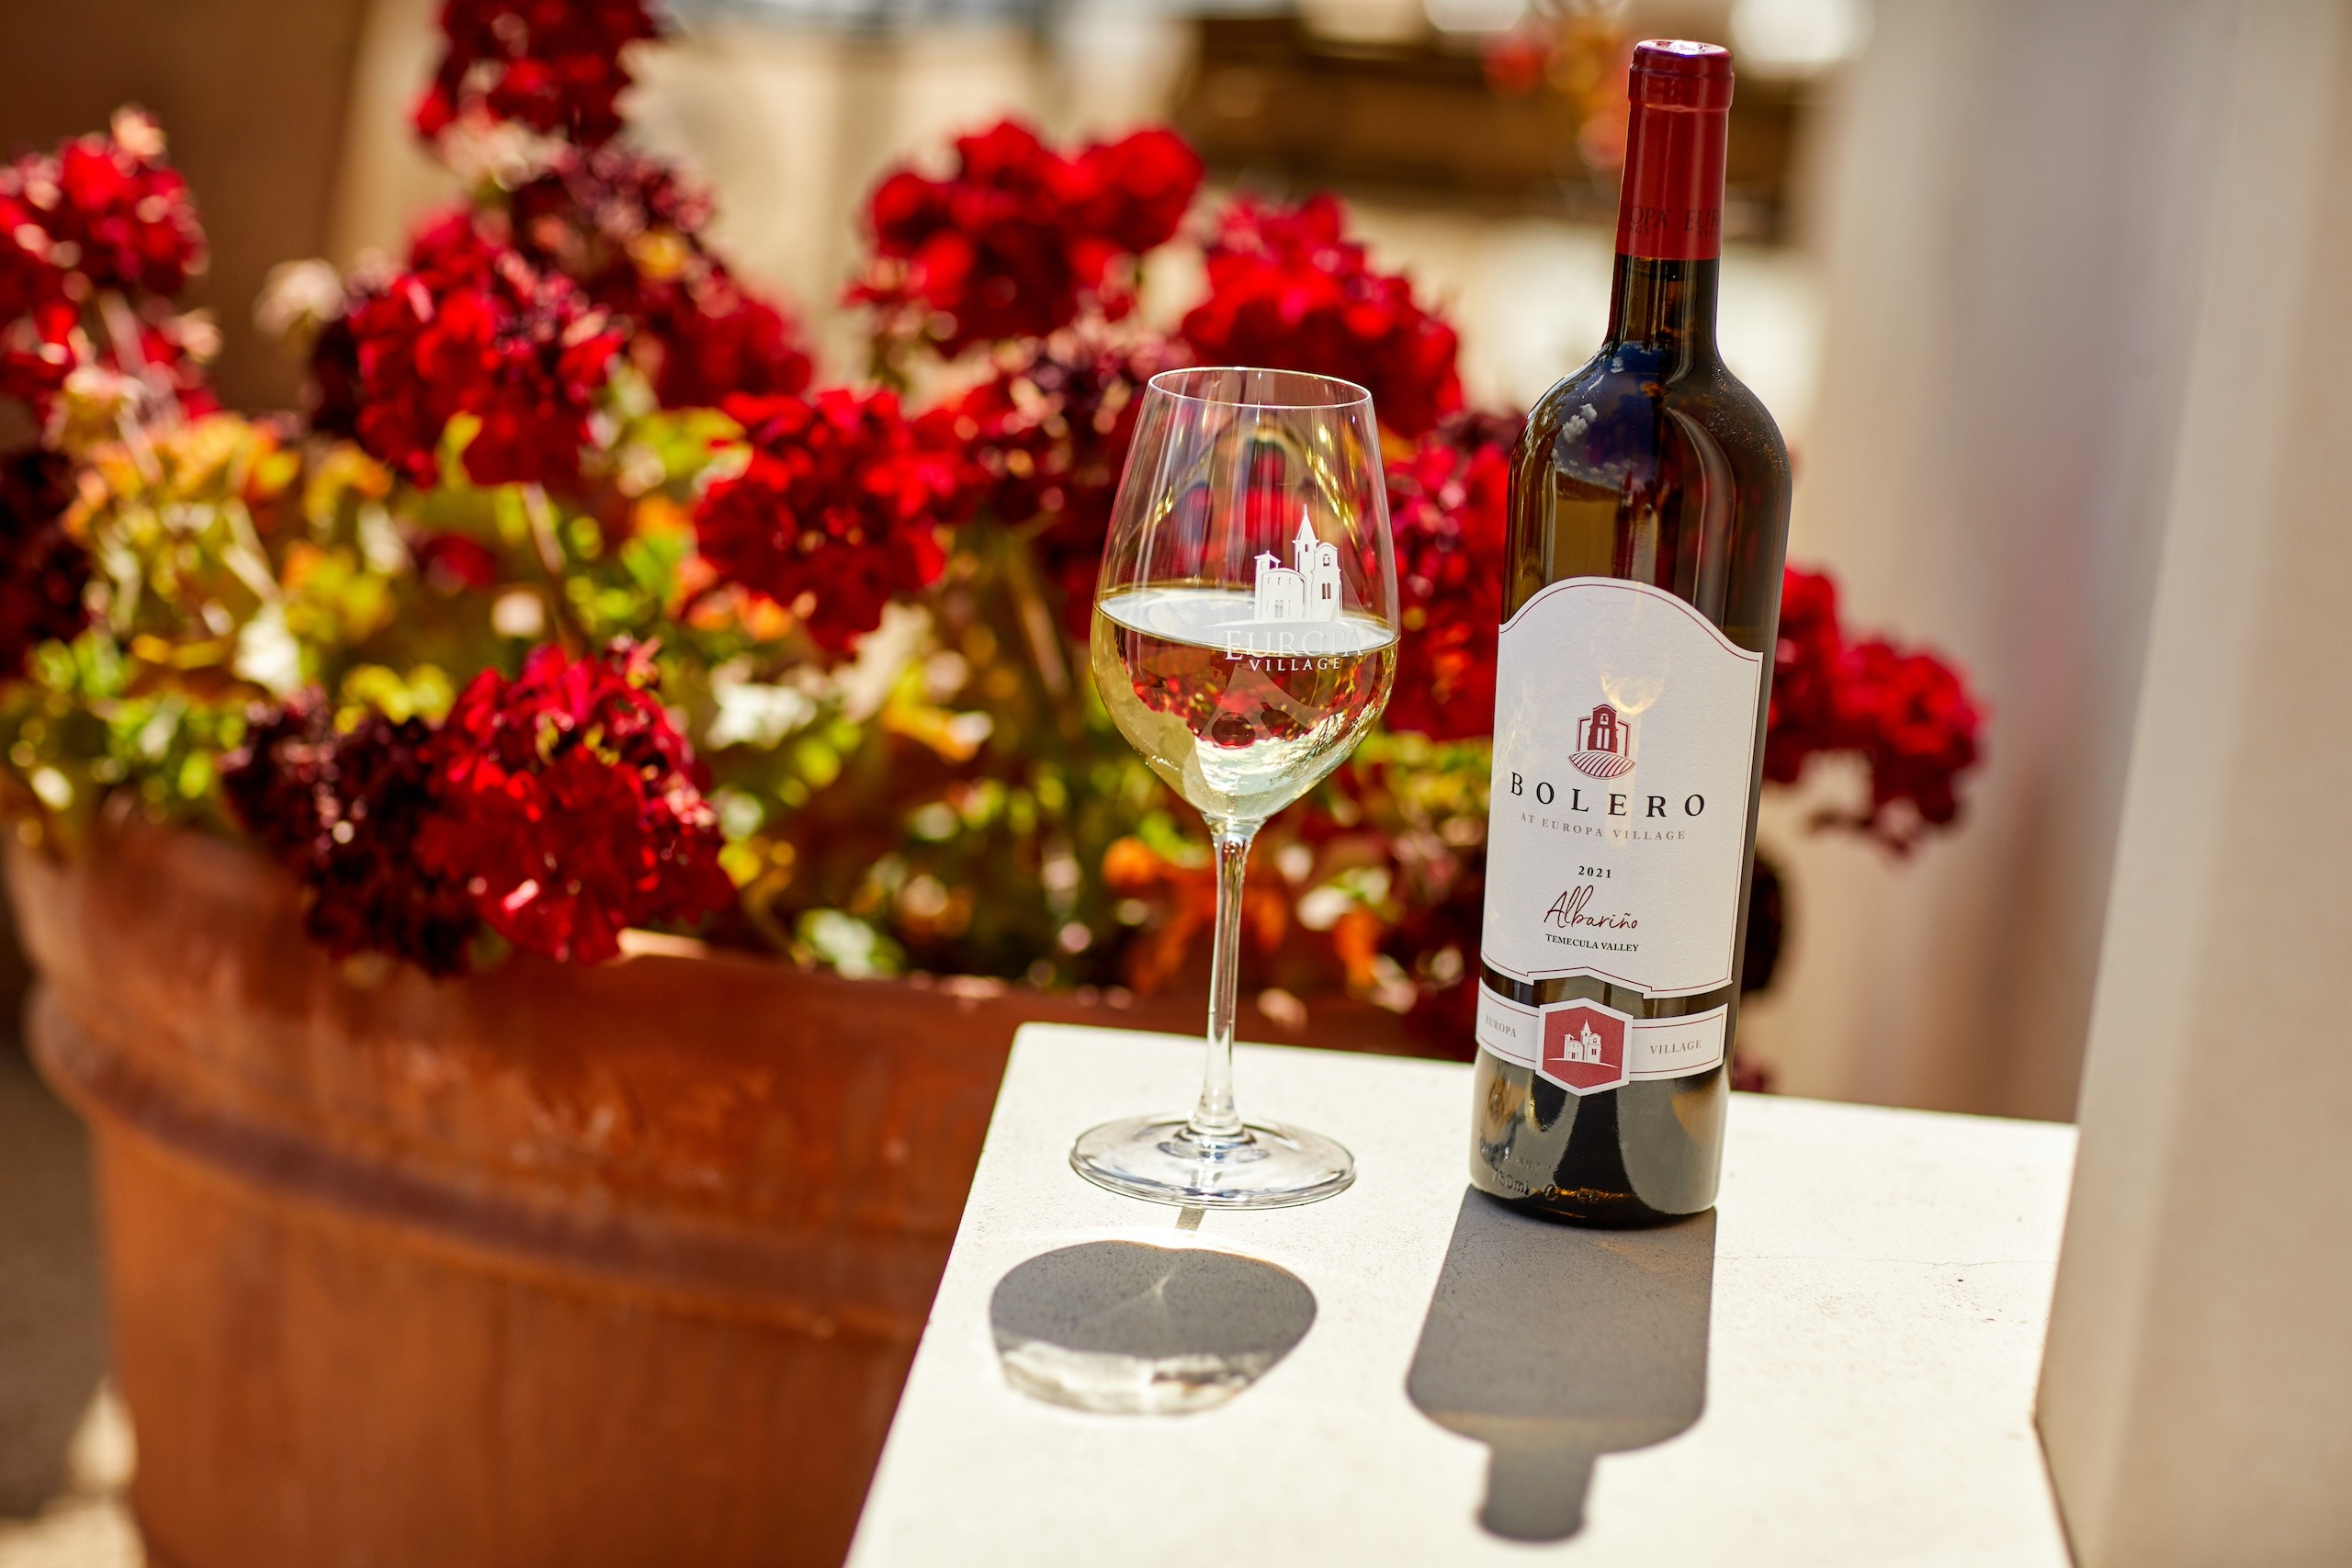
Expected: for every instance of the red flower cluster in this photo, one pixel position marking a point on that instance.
(627, 229)
(1049, 431)
(1909, 716)
(101, 213)
(569, 807)
(473, 328)
(557, 809)
(343, 811)
(172, 351)
(1914, 719)
(1447, 512)
(116, 213)
(455, 563)
(840, 509)
(1805, 668)
(1289, 290)
(43, 570)
(718, 339)
(1021, 238)
(30, 275)
(551, 65)
(38, 348)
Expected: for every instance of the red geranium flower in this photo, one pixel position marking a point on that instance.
(37, 351)
(841, 508)
(1021, 239)
(1049, 431)
(1908, 716)
(627, 228)
(597, 212)
(455, 563)
(173, 357)
(1912, 718)
(717, 340)
(1448, 511)
(569, 807)
(119, 215)
(331, 394)
(473, 328)
(1135, 190)
(551, 65)
(102, 213)
(342, 810)
(43, 570)
(1807, 664)
(452, 246)
(30, 275)
(1288, 289)
(37, 317)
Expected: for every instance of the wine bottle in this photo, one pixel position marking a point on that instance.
(1649, 502)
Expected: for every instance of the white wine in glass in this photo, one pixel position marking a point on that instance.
(1244, 639)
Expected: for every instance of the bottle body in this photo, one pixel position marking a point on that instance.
(1649, 522)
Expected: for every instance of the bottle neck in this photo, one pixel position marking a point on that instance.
(1665, 309)
(1670, 208)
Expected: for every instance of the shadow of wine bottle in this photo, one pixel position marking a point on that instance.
(1553, 1345)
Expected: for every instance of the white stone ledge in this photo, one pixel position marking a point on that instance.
(1879, 1284)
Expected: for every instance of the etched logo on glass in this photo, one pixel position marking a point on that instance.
(1307, 589)
(1296, 610)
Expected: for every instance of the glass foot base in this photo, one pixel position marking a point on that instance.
(1269, 1166)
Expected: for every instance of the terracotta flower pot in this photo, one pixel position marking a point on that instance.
(620, 1266)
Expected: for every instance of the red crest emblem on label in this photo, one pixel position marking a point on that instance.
(1604, 744)
(1584, 1048)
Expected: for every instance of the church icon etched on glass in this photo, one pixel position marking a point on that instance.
(1307, 589)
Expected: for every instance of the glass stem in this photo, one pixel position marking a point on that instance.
(1214, 1120)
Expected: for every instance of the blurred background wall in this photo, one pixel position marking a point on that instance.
(253, 94)
(2013, 237)
(1964, 262)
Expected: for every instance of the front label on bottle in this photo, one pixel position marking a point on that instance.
(1624, 750)
(1585, 1047)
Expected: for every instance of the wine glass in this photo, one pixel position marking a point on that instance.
(1244, 639)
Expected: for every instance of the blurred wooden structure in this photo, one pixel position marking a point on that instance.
(1270, 101)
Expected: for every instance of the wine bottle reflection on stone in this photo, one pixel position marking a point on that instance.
(1649, 499)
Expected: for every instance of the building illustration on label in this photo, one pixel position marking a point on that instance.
(1306, 590)
(1604, 744)
(1584, 1048)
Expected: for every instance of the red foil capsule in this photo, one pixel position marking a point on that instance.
(1672, 206)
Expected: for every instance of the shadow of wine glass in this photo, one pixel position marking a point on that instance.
(1122, 1327)
(1553, 1346)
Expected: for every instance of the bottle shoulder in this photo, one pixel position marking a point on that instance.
(1614, 420)
(1675, 475)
